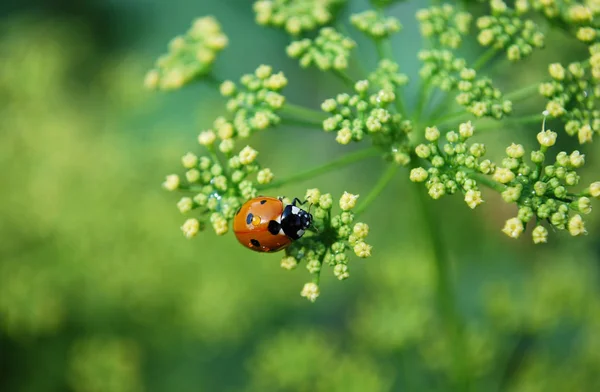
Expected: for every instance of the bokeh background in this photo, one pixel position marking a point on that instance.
(99, 291)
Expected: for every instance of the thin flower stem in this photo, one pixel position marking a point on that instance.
(485, 180)
(342, 75)
(302, 115)
(330, 166)
(524, 92)
(533, 118)
(449, 117)
(485, 58)
(424, 94)
(446, 298)
(385, 52)
(383, 181)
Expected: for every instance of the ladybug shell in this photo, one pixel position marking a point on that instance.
(251, 225)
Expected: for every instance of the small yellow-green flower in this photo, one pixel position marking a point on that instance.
(310, 291)
(348, 201)
(539, 235)
(190, 227)
(577, 226)
(513, 228)
(171, 182)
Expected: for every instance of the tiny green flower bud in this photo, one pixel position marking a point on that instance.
(171, 182)
(361, 230)
(511, 194)
(537, 157)
(192, 175)
(423, 151)
(227, 88)
(190, 228)
(513, 228)
(577, 226)
(583, 205)
(189, 160)
(473, 198)
(363, 250)
(452, 137)
(201, 199)
(525, 214)
(344, 136)
(557, 71)
(361, 86)
(503, 175)
(207, 138)
(338, 247)
(310, 291)
(515, 151)
(547, 138)
(477, 150)
(540, 188)
(432, 134)
(326, 201)
(539, 235)
(577, 159)
(585, 134)
(437, 161)
(289, 263)
(595, 189)
(313, 266)
(437, 190)
(247, 155)
(185, 204)
(264, 176)
(466, 130)
(348, 201)
(226, 146)
(312, 196)
(418, 174)
(341, 271)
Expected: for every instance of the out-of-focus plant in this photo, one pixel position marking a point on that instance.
(436, 139)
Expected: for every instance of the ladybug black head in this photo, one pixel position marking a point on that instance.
(295, 221)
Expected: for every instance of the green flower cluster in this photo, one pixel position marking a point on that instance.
(375, 24)
(543, 191)
(361, 114)
(295, 16)
(453, 164)
(387, 77)
(445, 23)
(540, 191)
(477, 95)
(333, 236)
(330, 50)
(253, 104)
(573, 13)
(506, 29)
(573, 95)
(190, 55)
(221, 184)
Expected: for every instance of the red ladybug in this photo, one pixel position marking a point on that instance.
(264, 224)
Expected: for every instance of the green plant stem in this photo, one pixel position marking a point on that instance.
(383, 181)
(533, 118)
(344, 77)
(484, 58)
(449, 117)
(422, 100)
(385, 52)
(485, 180)
(330, 166)
(521, 93)
(296, 114)
(445, 296)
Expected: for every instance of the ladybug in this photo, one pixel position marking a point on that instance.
(265, 224)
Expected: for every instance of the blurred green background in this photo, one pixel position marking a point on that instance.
(99, 291)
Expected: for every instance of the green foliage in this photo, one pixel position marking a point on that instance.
(99, 291)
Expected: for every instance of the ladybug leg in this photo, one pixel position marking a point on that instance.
(296, 200)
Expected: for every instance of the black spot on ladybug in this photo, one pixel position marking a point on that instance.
(274, 227)
(249, 218)
(238, 211)
(263, 201)
(255, 243)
